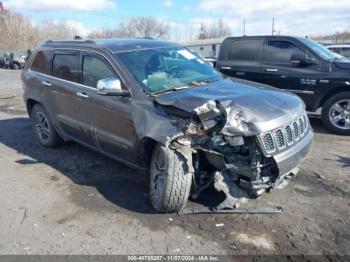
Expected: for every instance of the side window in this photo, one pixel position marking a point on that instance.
(245, 50)
(66, 66)
(335, 50)
(42, 62)
(279, 52)
(345, 51)
(95, 69)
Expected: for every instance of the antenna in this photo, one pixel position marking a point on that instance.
(243, 26)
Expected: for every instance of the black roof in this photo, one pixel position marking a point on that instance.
(265, 36)
(115, 44)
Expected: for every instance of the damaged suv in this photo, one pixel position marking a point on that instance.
(157, 107)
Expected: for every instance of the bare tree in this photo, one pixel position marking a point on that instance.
(125, 31)
(337, 37)
(16, 31)
(50, 30)
(139, 27)
(101, 33)
(147, 27)
(203, 32)
(218, 29)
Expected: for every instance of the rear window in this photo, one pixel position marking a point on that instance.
(66, 66)
(335, 50)
(42, 62)
(245, 50)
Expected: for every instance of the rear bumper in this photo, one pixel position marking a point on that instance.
(289, 160)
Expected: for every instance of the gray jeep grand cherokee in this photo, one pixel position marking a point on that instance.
(157, 107)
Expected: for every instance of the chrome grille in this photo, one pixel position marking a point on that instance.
(289, 134)
(296, 130)
(279, 137)
(301, 125)
(284, 137)
(268, 142)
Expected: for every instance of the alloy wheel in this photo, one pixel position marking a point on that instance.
(42, 126)
(159, 177)
(339, 114)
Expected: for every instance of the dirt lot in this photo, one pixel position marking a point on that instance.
(70, 200)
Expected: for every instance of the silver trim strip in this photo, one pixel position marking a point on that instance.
(60, 79)
(300, 91)
(271, 70)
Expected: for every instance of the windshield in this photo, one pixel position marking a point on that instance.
(320, 49)
(164, 69)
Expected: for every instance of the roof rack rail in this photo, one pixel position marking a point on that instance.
(71, 41)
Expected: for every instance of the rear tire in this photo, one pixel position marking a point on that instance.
(43, 128)
(170, 183)
(336, 113)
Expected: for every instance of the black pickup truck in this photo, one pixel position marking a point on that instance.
(297, 64)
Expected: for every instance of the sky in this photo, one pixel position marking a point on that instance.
(295, 17)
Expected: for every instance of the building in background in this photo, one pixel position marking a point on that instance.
(207, 48)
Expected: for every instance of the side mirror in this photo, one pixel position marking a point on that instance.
(111, 87)
(298, 59)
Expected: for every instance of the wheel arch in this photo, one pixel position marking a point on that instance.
(30, 103)
(331, 93)
(147, 145)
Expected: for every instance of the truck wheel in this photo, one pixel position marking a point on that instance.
(170, 184)
(336, 113)
(43, 127)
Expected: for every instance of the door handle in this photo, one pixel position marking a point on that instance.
(45, 83)
(271, 70)
(82, 94)
(240, 73)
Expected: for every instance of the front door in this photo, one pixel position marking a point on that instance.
(279, 72)
(109, 119)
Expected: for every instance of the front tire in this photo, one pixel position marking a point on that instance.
(170, 183)
(43, 128)
(336, 113)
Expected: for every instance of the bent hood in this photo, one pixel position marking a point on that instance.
(250, 108)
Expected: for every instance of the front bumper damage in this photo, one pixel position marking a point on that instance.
(287, 163)
(219, 140)
(236, 164)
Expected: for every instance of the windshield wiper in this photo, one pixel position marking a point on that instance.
(187, 85)
(170, 89)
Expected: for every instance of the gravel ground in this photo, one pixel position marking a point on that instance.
(69, 200)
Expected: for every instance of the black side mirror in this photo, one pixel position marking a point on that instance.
(298, 59)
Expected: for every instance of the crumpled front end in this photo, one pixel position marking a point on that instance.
(226, 149)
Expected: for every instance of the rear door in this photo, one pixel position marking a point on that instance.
(240, 57)
(64, 99)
